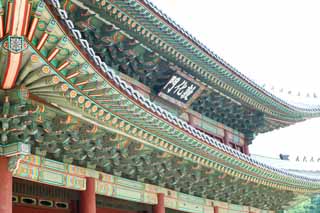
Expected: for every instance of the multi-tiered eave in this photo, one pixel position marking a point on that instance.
(230, 73)
(246, 101)
(62, 103)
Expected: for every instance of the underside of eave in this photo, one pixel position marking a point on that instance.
(282, 117)
(75, 113)
(263, 94)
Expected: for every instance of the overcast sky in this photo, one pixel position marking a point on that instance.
(273, 42)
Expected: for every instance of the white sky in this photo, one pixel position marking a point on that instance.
(274, 42)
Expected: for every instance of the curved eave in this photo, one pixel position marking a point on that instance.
(212, 78)
(189, 135)
(261, 95)
(120, 108)
(63, 84)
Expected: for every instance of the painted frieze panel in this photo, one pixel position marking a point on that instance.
(127, 194)
(27, 171)
(189, 207)
(191, 199)
(55, 165)
(15, 149)
(50, 177)
(238, 208)
(48, 171)
(150, 198)
(129, 183)
(112, 186)
(75, 182)
(103, 188)
(76, 170)
(151, 188)
(32, 159)
(170, 203)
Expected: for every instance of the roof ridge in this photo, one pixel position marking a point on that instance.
(223, 62)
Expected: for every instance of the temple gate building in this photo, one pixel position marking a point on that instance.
(110, 106)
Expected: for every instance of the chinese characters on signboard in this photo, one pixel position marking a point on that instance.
(180, 88)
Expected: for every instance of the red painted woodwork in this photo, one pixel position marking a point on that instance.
(88, 198)
(73, 206)
(225, 138)
(37, 209)
(5, 187)
(246, 149)
(109, 210)
(159, 208)
(216, 209)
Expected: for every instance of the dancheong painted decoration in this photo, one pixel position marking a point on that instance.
(110, 106)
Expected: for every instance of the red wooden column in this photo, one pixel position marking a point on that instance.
(225, 138)
(5, 187)
(246, 149)
(159, 208)
(88, 198)
(216, 209)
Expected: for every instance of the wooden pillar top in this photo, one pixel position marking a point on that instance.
(160, 207)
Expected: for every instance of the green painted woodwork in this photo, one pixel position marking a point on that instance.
(14, 149)
(126, 194)
(36, 169)
(74, 114)
(129, 183)
(309, 205)
(49, 177)
(117, 187)
(225, 111)
(144, 79)
(154, 34)
(54, 149)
